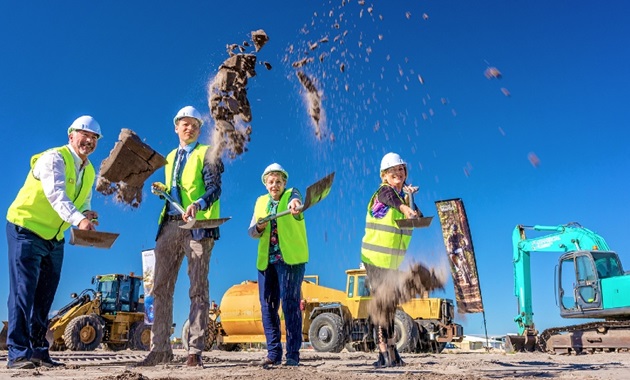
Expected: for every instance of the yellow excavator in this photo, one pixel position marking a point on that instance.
(332, 319)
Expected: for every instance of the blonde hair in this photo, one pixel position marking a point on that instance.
(278, 173)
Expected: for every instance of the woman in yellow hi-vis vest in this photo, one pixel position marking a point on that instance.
(384, 244)
(282, 257)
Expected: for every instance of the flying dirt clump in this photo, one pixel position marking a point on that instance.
(398, 287)
(314, 101)
(227, 99)
(128, 165)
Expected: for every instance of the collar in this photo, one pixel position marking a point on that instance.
(190, 147)
(78, 162)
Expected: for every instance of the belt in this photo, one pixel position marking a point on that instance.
(170, 218)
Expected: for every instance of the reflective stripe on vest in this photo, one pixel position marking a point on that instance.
(33, 211)
(191, 185)
(384, 244)
(291, 233)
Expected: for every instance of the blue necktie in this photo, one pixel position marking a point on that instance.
(181, 155)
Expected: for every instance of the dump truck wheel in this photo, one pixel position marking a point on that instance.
(326, 333)
(83, 333)
(140, 336)
(404, 328)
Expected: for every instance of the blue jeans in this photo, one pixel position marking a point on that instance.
(34, 272)
(281, 282)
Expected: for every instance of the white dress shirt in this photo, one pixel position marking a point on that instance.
(50, 169)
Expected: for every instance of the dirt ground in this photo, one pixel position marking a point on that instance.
(106, 365)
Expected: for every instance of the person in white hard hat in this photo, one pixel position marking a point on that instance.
(193, 179)
(281, 261)
(384, 244)
(57, 194)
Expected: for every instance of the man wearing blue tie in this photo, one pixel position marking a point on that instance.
(193, 178)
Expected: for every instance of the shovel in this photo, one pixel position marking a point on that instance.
(314, 194)
(90, 238)
(191, 222)
(412, 223)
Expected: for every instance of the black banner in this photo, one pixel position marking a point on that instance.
(461, 255)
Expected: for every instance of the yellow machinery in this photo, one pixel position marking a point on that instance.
(3, 335)
(332, 319)
(112, 313)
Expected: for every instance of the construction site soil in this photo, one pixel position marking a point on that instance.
(452, 365)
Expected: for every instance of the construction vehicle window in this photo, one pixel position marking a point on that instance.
(363, 288)
(585, 270)
(567, 282)
(350, 286)
(607, 265)
(109, 294)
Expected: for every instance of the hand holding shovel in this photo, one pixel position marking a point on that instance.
(158, 188)
(314, 193)
(416, 221)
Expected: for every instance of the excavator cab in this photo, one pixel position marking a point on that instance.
(591, 285)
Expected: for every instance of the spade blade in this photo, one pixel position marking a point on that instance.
(89, 238)
(208, 223)
(414, 223)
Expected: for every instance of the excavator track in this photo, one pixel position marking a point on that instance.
(604, 336)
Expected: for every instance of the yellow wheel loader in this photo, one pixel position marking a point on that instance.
(112, 313)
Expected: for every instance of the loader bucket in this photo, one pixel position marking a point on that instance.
(3, 335)
(521, 343)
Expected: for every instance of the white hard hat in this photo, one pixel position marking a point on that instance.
(86, 123)
(274, 168)
(390, 160)
(188, 111)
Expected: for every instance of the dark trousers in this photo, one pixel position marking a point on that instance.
(34, 272)
(281, 282)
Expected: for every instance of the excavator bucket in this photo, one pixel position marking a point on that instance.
(3, 335)
(521, 343)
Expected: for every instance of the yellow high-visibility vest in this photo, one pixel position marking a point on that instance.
(291, 233)
(191, 186)
(33, 211)
(384, 245)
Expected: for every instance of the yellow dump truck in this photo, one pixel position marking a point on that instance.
(333, 319)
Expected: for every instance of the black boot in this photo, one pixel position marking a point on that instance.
(397, 362)
(383, 360)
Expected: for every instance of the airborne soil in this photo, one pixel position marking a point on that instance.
(453, 365)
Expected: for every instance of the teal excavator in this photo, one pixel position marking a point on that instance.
(590, 283)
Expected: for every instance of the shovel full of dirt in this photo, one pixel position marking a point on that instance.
(314, 194)
(91, 238)
(191, 223)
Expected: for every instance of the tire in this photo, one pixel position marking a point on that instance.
(84, 333)
(404, 329)
(425, 345)
(140, 336)
(326, 333)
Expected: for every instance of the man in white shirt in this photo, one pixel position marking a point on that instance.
(56, 195)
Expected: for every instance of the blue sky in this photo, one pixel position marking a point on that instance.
(134, 64)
